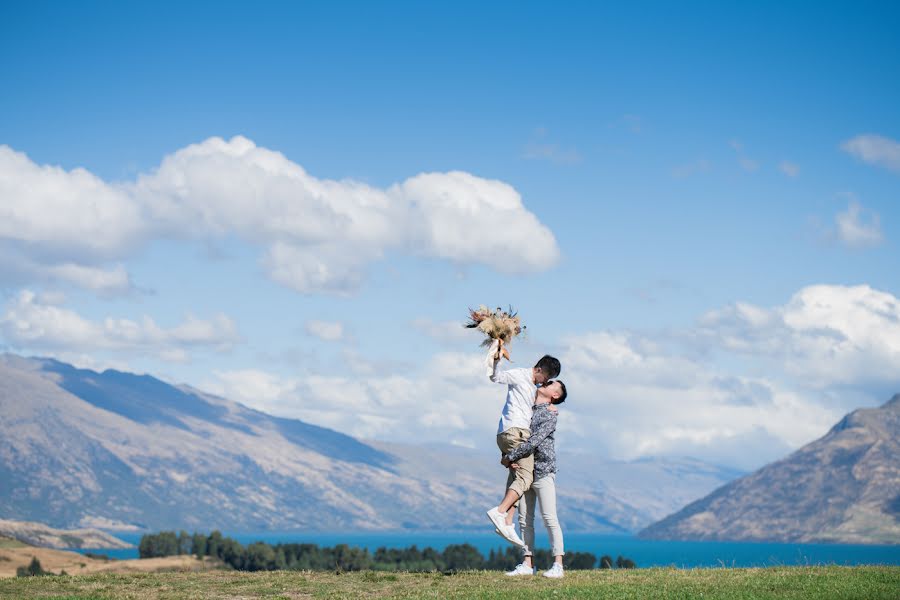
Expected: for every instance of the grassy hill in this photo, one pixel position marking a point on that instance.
(15, 554)
(864, 583)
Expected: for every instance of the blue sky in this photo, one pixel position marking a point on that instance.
(712, 176)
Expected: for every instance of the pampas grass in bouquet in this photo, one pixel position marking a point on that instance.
(496, 325)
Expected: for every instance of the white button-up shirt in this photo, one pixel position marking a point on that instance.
(520, 394)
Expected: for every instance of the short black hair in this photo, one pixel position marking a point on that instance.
(562, 396)
(549, 365)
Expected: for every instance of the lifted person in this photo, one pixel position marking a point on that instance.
(540, 445)
(515, 428)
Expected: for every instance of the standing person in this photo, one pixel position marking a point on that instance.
(540, 445)
(514, 428)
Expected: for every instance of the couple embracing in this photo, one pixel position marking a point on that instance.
(525, 437)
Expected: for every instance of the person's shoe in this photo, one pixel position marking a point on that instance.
(509, 532)
(556, 571)
(498, 519)
(521, 569)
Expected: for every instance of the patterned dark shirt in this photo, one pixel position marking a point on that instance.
(543, 426)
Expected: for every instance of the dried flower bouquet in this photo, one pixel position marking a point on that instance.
(496, 325)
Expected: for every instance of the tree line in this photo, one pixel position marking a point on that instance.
(260, 556)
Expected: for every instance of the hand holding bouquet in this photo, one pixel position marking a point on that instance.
(496, 325)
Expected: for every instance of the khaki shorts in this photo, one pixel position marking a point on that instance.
(519, 479)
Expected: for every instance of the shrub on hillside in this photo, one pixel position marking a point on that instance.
(32, 570)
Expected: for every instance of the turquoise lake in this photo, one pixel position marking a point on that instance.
(646, 553)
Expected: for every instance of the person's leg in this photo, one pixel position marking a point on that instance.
(526, 525)
(545, 490)
(546, 493)
(509, 501)
(501, 515)
(526, 522)
(518, 480)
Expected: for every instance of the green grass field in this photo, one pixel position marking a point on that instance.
(864, 583)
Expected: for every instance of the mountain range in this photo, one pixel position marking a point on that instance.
(123, 451)
(843, 487)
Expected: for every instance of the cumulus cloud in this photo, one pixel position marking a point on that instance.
(445, 332)
(637, 397)
(857, 227)
(875, 150)
(328, 331)
(17, 269)
(446, 397)
(316, 235)
(64, 212)
(33, 323)
(826, 335)
(742, 387)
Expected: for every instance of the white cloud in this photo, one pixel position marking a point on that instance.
(875, 150)
(789, 168)
(328, 331)
(447, 396)
(855, 230)
(467, 219)
(64, 212)
(17, 269)
(445, 332)
(742, 387)
(826, 335)
(250, 386)
(317, 235)
(32, 324)
(637, 398)
(114, 280)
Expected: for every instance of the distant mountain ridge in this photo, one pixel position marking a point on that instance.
(38, 534)
(843, 487)
(80, 448)
(145, 399)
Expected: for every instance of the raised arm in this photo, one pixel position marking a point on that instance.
(492, 362)
(498, 376)
(540, 433)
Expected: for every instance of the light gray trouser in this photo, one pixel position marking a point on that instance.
(543, 490)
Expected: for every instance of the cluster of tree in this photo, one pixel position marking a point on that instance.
(606, 562)
(34, 569)
(261, 556)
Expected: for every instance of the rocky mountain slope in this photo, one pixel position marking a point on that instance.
(118, 450)
(843, 487)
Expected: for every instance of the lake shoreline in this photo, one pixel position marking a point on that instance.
(646, 553)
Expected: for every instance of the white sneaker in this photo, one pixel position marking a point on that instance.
(556, 571)
(509, 532)
(521, 569)
(498, 519)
